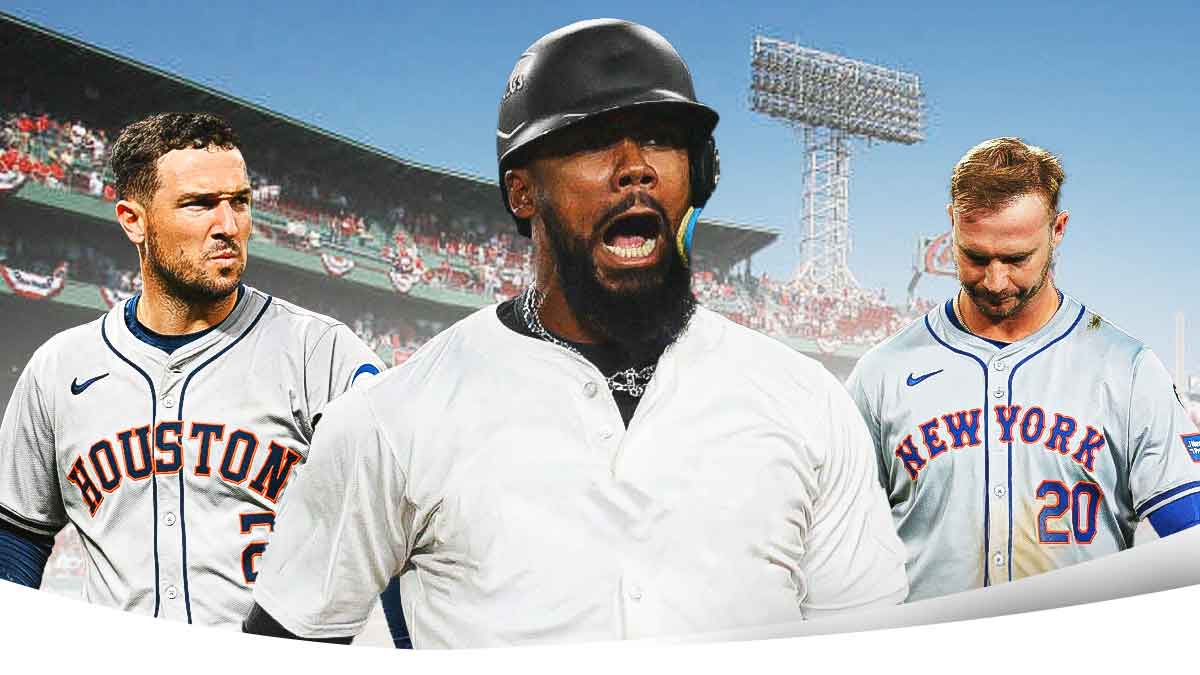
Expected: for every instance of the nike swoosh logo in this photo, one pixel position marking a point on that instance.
(914, 381)
(77, 388)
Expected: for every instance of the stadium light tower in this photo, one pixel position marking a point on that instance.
(831, 100)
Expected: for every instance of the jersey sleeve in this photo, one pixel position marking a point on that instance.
(1164, 445)
(30, 498)
(339, 361)
(339, 535)
(854, 557)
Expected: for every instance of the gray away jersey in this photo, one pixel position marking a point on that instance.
(1004, 463)
(171, 466)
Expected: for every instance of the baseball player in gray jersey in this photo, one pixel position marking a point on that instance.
(1018, 431)
(167, 430)
(598, 458)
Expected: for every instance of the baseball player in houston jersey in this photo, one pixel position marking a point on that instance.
(167, 430)
(597, 458)
(1017, 430)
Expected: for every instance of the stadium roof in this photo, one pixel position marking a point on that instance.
(71, 78)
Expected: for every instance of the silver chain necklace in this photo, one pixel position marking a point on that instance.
(958, 315)
(632, 381)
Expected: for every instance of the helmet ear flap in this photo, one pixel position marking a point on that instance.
(705, 171)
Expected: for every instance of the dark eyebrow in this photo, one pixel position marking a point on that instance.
(190, 196)
(1021, 254)
(970, 253)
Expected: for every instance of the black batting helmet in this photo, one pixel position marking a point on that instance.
(594, 67)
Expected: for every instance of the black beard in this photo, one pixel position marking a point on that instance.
(192, 289)
(655, 304)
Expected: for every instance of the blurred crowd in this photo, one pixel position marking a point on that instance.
(805, 310)
(58, 153)
(437, 246)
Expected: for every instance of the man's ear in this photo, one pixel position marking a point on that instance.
(132, 217)
(1058, 229)
(520, 192)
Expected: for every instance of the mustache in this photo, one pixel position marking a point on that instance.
(628, 202)
(226, 246)
(979, 294)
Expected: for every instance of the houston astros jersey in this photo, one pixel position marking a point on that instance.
(494, 472)
(172, 466)
(1004, 462)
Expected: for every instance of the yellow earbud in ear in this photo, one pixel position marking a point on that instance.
(683, 238)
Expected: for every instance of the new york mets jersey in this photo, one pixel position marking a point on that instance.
(171, 466)
(493, 471)
(1004, 462)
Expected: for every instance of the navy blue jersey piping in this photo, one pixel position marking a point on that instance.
(1011, 374)
(187, 596)
(986, 442)
(153, 481)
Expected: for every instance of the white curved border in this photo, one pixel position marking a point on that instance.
(40, 632)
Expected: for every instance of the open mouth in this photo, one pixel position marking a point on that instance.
(633, 236)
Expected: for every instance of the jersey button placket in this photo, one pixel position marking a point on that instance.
(602, 430)
(997, 392)
(998, 470)
(170, 537)
(167, 385)
(635, 605)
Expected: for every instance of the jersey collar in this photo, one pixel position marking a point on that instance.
(167, 343)
(953, 333)
(249, 301)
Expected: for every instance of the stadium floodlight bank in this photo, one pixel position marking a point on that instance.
(830, 100)
(810, 88)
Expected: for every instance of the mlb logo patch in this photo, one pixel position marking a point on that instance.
(1192, 443)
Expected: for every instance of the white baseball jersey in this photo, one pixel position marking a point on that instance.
(1001, 463)
(493, 471)
(171, 466)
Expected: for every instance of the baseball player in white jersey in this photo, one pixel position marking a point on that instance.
(1017, 430)
(167, 430)
(597, 458)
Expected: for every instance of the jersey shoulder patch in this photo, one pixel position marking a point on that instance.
(1191, 443)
